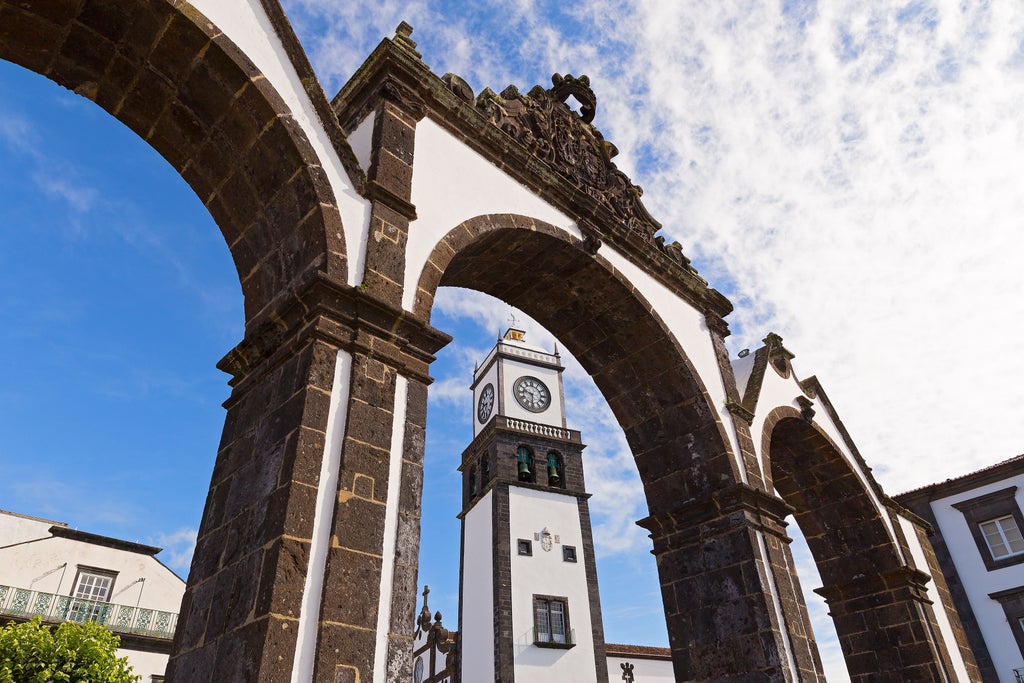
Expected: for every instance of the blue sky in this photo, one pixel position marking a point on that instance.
(847, 173)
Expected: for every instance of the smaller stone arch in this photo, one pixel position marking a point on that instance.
(879, 602)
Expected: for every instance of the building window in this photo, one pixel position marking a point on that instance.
(995, 522)
(524, 547)
(472, 481)
(524, 463)
(551, 622)
(485, 469)
(92, 589)
(1012, 602)
(569, 553)
(1003, 536)
(555, 471)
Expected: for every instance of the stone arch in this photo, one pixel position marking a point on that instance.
(878, 602)
(705, 524)
(616, 334)
(172, 77)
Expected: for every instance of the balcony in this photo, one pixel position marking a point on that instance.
(536, 429)
(557, 641)
(22, 603)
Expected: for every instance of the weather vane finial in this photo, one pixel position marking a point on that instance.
(512, 317)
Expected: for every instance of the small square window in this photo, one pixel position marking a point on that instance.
(569, 553)
(525, 547)
(1003, 536)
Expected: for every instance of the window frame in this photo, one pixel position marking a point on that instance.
(986, 508)
(1001, 529)
(547, 601)
(566, 550)
(1012, 602)
(524, 547)
(80, 605)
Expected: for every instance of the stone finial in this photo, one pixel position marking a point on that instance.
(403, 38)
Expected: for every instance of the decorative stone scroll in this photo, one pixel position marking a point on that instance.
(542, 122)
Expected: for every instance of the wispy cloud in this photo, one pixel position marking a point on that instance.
(178, 547)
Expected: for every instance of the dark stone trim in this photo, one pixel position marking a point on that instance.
(990, 475)
(501, 530)
(739, 411)
(711, 516)
(343, 316)
(379, 193)
(590, 567)
(105, 541)
(913, 580)
(990, 506)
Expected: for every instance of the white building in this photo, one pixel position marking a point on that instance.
(529, 608)
(978, 541)
(61, 574)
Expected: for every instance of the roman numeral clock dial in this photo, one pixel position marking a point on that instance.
(532, 394)
(485, 404)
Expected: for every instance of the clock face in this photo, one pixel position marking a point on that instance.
(532, 394)
(485, 404)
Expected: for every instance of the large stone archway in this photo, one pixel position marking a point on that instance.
(305, 567)
(717, 603)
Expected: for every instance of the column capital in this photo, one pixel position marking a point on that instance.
(902, 582)
(346, 317)
(716, 514)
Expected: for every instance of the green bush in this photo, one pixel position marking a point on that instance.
(69, 653)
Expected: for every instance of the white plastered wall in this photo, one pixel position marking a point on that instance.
(644, 670)
(451, 183)
(977, 581)
(547, 573)
(477, 600)
(247, 25)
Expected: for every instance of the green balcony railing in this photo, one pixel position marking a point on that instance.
(25, 603)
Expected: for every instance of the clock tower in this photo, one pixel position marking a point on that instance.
(529, 609)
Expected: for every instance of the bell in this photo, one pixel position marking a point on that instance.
(553, 477)
(524, 470)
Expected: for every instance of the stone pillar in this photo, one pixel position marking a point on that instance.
(241, 609)
(732, 616)
(887, 628)
(329, 399)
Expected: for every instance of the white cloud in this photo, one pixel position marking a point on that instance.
(178, 547)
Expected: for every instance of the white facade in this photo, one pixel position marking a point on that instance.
(477, 599)
(644, 668)
(551, 523)
(50, 570)
(986, 570)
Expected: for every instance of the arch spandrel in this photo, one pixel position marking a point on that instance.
(616, 334)
(175, 79)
